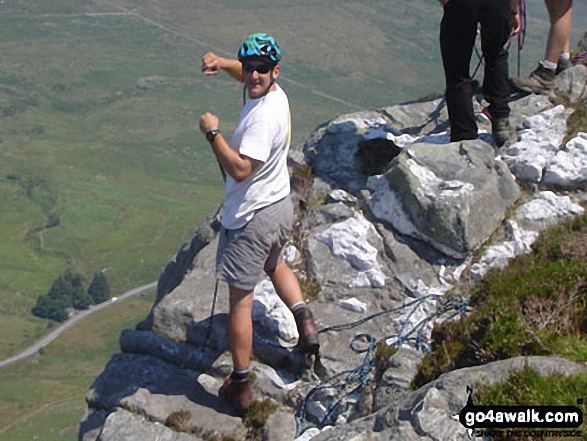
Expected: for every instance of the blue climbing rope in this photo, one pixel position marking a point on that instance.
(353, 380)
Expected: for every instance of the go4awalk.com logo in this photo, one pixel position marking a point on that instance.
(561, 421)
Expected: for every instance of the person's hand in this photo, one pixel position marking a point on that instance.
(442, 2)
(208, 122)
(211, 63)
(515, 23)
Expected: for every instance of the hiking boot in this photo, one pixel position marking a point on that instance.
(239, 395)
(562, 65)
(308, 332)
(500, 129)
(540, 81)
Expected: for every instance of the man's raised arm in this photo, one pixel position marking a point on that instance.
(212, 64)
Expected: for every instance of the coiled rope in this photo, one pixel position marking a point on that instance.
(350, 381)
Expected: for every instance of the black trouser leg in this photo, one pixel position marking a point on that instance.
(457, 38)
(495, 31)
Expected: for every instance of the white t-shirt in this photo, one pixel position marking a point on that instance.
(263, 133)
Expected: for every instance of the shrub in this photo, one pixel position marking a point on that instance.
(535, 306)
(99, 289)
(257, 414)
(179, 421)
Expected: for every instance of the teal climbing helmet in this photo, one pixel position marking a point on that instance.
(260, 46)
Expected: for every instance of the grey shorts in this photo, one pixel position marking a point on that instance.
(245, 253)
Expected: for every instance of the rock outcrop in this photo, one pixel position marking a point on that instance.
(427, 414)
(390, 219)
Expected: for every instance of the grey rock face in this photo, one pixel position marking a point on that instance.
(199, 357)
(394, 384)
(451, 196)
(568, 168)
(157, 390)
(428, 412)
(419, 118)
(126, 426)
(181, 314)
(343, 155)
(571, 83)
(281, 426)
(539, 142)
(183, 262)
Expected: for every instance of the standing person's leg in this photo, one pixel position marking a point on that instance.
(240, 327)
(495, 31)
(236, 387)
(541, 80)
(288, 289)
(278, 220)
(564, 60)
(239, 263)
(560, 13)
(458, 30)
(286, 284)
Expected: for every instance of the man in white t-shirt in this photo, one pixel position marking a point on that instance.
(257, 212)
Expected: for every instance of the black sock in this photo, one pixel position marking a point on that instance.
(300, 312)
(240, 375)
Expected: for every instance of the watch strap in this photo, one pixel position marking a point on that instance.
(211, 134)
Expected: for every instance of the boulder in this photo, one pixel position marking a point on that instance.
(571, 83)
(158, 391)
(124, 425)
(451, 196)
(568, 169)
(539, 142)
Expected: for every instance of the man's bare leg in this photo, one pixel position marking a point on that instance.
(286, 284)
(240, 326)
(560, 13)
(288, 289)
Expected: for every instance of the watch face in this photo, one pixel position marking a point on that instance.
(211, 135)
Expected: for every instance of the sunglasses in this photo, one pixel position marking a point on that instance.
(257, 67)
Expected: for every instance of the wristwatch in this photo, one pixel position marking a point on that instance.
(211, 134)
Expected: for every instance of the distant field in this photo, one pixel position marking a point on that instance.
(118, 164)
(43, 397)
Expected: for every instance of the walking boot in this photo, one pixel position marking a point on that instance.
(562, 65)
(238, 394)
(540, 81)
(308, 331)
(500, 129)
